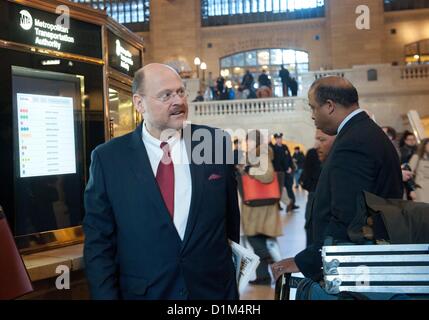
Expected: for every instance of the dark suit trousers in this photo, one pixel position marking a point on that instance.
(259, 245)
(308, 228)
(289, 188)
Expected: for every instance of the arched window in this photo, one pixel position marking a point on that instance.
(417, 52)
(233, 67)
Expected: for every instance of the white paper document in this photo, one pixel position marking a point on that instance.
(245, 262)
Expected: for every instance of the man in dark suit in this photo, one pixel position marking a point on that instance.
(159, 209)
(283, 165)
(361, 158)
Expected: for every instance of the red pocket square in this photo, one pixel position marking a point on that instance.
(215, 176)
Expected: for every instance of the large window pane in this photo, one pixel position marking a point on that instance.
(251, 58)
(225, 62)
(268, 5)
(263, 57)
(238, 59)
(292, 69)
(127, 10)
(288, 56)
(302, 67)
(301, 57)
(276, 56)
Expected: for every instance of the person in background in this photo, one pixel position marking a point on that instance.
(419, 164)
(391, 133)
(247, 82)
(208, 94)
(293, 85)
(263, 222)
(246, 87)
(284, 77)
(239, 158)
(310, 176)
(264, 80)
(407, 174)
(283, 165)
(221, 89)
(362, 158)
(199, 97)
(264, 90)
(231, 93)
(407, 146)
(298, 158)
(238, 153)
(323, 145)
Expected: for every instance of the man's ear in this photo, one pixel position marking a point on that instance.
(138, 103)
(331, 106)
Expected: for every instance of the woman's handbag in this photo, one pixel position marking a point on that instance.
(257, 194)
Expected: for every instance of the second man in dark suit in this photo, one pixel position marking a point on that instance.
(362, 158)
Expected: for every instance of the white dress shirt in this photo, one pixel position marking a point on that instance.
(347, 119)
(182, 174)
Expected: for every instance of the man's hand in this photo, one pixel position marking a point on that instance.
(289, 171)
(406, 175)
(285, 266)
(413, 195)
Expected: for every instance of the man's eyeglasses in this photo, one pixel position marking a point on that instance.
(168, 95)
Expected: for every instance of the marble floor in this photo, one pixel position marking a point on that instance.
(292, 242)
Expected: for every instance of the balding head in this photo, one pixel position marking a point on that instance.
(162, 100)
(332, 99)
(336, 89)
(147, 71)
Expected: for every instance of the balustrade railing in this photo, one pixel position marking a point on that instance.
(248, 107)
(415, 72)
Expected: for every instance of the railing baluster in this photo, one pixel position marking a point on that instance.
(228, 108)
(415, 72)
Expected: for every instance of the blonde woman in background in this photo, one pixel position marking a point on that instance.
(260, 223)
(419, 164)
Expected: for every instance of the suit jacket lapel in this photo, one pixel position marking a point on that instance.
(141, 166)
(197, 177)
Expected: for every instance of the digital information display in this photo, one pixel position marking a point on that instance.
(46, 135)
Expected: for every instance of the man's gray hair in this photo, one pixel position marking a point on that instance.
(138, 82)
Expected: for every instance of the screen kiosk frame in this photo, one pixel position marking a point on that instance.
(89, 28)
(70, 235)
(110, 77)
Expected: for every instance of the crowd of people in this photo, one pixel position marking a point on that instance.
(160, 210)
(248, 89)
(259, 223)
(414, 160)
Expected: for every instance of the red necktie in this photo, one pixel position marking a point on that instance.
(165, 178)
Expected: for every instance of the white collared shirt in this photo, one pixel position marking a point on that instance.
(347, 119)
(182, 174)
